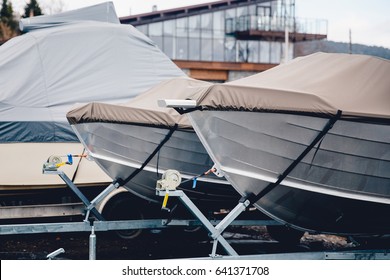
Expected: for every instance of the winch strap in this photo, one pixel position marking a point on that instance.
(135, 172)
(78, 165)
(271, 186)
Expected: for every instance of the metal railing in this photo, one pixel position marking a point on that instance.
(274, 23)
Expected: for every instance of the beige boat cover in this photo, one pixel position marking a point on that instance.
(143, 109)
(319, 84)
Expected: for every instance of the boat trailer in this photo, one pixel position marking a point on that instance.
(167, 187)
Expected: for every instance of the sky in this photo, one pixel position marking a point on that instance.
(369, 21)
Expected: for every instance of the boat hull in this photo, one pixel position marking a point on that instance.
(121, 149)
(341, 186)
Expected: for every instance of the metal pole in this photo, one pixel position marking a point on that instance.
(92, 243)
(286, 39)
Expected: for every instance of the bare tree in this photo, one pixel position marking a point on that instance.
(8, 23)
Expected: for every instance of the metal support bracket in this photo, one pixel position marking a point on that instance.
(102, 195)
(89, 207)
(215, 232)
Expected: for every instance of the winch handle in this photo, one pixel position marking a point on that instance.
(70, 159)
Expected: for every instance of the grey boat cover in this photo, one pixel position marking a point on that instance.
(320, 83)
(44, 72)
(104, 12)
(143, 109)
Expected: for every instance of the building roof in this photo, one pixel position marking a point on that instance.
(186, 11)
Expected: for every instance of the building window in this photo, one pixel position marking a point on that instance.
(194, 26)
(207, 49)
(254, 51)
(218, 24)
(169, 27)
(218, 49)
(230, 49)
(276, 51)
(155, 29)
(221, 35)
(170, 46)
(182, 48)
(264, 52)
(194, 48)
(143, 28)
(155, 33)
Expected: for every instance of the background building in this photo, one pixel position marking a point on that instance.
(226, 40)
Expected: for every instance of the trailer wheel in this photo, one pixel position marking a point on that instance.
(124, 206)
(285, 235)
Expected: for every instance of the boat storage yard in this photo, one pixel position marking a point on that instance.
(291, 163)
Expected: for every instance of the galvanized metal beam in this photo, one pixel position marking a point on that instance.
(11, 229)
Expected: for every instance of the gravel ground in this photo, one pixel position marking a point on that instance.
(162, 244)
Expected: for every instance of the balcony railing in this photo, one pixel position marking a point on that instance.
(276, 24)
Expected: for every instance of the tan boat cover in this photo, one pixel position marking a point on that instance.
(143, 109)
(319, 84)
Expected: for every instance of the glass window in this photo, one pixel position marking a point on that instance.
(264, 52)
(291, 51)
(230, 20)
(207, 48)
(243, 51)
(194, 49)
(230, 25)
(241, 20)
(218, 49)
(182, 27)
(252, 10)
(276, 51)
(206, 25)
(230, 49)
(206, 21)
(253, 51)
(155, 29)
(263, 18)
(143, 29)
(170, 46)
(169, 27)
(231, 13)
(182, 48)
(219, 24)
(194, 26)
(242, 11)
(263, 10)
(242, 23)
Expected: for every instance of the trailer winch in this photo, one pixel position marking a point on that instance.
(54, 161)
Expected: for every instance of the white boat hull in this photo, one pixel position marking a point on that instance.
(341, 186)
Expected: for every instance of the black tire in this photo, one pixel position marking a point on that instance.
(125, 206)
